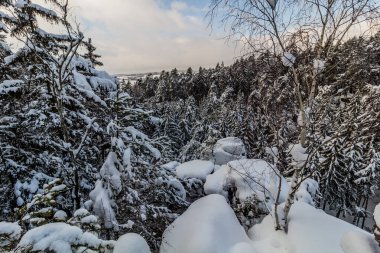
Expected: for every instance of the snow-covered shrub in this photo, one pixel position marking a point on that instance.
(88, 222)
(60, 238)
(10, 233)
(45, 207)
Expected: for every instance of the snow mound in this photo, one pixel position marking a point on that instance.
(313, 231)
(359, 242)
(251, 177)
(209, 225)
(228, 149)
(195, 169)
(131, 243)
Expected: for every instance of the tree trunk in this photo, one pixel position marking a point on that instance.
(290, 199)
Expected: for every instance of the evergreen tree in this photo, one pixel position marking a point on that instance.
(90, 54)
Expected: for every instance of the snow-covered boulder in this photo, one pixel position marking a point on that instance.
(208, 226)
(251, 178)
(131, 243)
(228, 149)
(194, 169)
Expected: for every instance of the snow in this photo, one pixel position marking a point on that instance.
(5, 46)
(84, 87)
(106, 84)
(313, 231)
(20, 3)
(60, 215)
(42, 9)
(131, 243)
(194, 169)
(89, 219)
(102, 205)
(376, 215)
(3, 27)
(45, 34)
(288, 59)
(170, 166)
(143, 139)
(209, 225)
(57, 237)
(251, 177)
(109, 171)
(359, 242)
(216, 182)
(180, 189)
(299, 155)
(319, 65)
(11, 231)
(81, 212)
(10, 86)
(228, 149)
(310, 231)
(266, 239)
(307, 191)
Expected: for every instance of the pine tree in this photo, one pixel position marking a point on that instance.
(91, 55)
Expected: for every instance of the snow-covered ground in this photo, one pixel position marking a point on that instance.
(210, 225)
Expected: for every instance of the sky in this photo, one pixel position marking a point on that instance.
(138, 36)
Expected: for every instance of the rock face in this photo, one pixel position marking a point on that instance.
(228, 149)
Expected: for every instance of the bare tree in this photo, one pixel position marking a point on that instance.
(289, 28)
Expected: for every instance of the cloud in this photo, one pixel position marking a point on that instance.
(145, 35)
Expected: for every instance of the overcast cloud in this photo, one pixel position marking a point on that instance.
(136, 36)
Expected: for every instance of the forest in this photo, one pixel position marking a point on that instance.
(277, 152)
